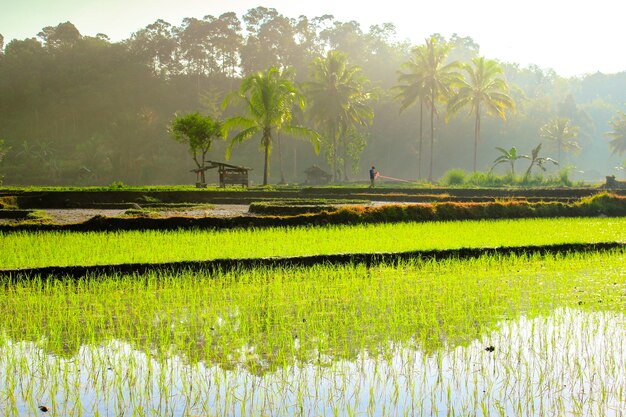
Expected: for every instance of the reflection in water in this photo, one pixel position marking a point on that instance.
(571, 362)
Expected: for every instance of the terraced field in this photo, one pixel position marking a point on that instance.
(499, 334)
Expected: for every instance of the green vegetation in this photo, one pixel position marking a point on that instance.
(438, 76)
(87, 131)
(198, 133)
(8, 203)
(411, 90)
(268, 341)
(269, 99)
(618, 134)
(508, 157)
(24, 249)
(483, 88)
(536, 160)
(494, 335)
(461, 178)
(563, 134)
(339, 106)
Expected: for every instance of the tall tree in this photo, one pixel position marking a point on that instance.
(347, 37)
(482, 88)
(197, 132)
(618, 134)
(411, 90)
(269, 99)
(270, 42)
(158, 46)
(438, 77)
(193, 36)
(562, 133)
(225, 42)
(339, 102)
(64, 35)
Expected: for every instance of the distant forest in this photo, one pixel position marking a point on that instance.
(82, 110)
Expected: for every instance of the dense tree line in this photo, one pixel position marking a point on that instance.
(79, 109)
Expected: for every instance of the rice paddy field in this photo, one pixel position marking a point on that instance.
(530, 335)
(35, 249)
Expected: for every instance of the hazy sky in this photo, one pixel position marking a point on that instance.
(573, 37)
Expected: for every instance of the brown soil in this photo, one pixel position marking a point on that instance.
(67, 216)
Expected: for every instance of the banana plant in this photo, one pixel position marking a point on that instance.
(535, 159)
(509, 157)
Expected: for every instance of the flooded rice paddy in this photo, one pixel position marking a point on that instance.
(534, 336)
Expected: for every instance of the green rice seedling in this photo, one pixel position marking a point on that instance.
(482, 336)
(33, 249)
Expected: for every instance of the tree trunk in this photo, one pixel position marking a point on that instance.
(345, 158)
(267, 139)
(334, 139)
(280, 158)
(295, 162)
(476, 134)
(202, 177)
(419, 149)
(432, 138)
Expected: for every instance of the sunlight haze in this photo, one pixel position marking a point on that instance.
(573, 38)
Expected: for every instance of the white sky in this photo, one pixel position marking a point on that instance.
(573, 37)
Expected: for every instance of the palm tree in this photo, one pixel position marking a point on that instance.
(562, 133)
(339, 97)
(269, 98)
(411, 89)
(509, 157)
(438, 78)
(618, 134)
(483, 87)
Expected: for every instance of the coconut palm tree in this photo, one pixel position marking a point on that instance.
(269, 99)
(562, 134)
(482, 88)
(339, 102)
(438, 78)
(411, 90)
(618, 134)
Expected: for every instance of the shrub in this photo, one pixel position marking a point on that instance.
(603, 204)
(554, 209)
(454, 211)
(497, 210)
(453, 177)
(563, 177)
(482, 179)
(420, 212)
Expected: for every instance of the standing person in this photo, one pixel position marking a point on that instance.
(373, 175)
